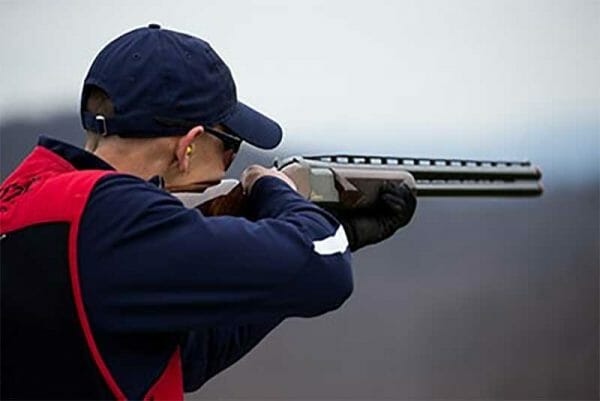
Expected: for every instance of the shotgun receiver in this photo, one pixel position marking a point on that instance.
(350, 181)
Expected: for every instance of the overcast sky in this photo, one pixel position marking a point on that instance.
(338, 67)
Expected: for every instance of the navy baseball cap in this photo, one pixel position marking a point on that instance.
(160, 81)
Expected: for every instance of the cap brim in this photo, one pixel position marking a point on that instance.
(254, 127)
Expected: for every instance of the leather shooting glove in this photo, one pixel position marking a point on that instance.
(393, 209)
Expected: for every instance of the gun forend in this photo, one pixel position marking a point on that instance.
(353, 181)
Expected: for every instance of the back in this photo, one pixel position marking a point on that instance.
(45, 354)
(39, 320)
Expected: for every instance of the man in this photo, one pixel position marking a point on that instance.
(111, 288)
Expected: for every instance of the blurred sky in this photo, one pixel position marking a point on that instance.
(417, 77)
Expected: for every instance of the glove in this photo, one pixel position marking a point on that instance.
(393, 209)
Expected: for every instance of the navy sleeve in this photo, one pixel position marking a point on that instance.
(148, 264)
(210, 351)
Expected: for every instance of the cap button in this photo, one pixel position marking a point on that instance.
(154, 26)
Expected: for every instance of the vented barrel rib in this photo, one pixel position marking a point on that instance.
(429, 177)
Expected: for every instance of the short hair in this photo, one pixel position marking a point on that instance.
(96, 102)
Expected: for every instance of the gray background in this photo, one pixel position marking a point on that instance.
(494, 299)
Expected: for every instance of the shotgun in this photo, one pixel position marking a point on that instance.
(351, 181)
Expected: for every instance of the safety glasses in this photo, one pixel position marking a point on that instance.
(229, 141)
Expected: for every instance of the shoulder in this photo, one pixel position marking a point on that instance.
(128, 191)
(118, 203)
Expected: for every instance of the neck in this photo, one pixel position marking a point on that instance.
(140, 162)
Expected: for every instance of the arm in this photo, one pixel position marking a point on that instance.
(219, 348)
(149, 264)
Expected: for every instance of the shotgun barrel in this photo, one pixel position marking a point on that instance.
(352, 181)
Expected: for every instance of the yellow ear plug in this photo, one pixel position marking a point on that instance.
(189, 150)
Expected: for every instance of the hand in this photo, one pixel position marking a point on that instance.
(252, 173)
(393, 209)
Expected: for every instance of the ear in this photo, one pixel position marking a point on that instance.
(183, 159)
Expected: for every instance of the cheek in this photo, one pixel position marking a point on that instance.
(208, 162)
(213, 147)
(217, 155)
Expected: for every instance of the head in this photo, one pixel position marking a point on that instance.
(198, 156)
(159, 102)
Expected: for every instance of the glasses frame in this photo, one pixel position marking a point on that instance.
(230, 142)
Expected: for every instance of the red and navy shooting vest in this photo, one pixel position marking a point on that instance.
(48, 347)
